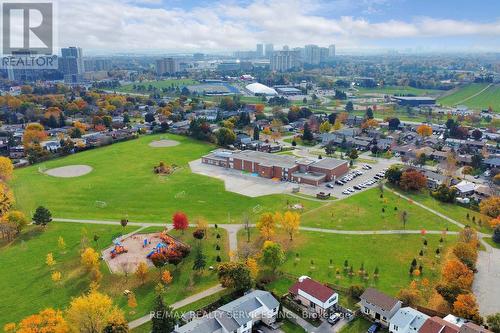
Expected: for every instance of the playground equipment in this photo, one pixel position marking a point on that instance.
(119, 249)
(163, 246)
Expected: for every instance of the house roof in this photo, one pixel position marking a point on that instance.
(465, 186)
(470, 327)
(383, 301)
(313, 288)
(409, 317)
(438, 325)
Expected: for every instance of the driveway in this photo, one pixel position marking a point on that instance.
(325, 327)
(487, 280)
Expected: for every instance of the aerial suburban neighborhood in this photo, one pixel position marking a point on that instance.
(250, 167)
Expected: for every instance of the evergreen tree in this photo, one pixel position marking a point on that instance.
(42, 216)
(200, 261)
(163, 320)
(308, 135)
(256, 133)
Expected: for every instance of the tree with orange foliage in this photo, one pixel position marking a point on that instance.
(259, 108)
(495, 222)
(34, 134)
(456, 272)
(166, 277)
(466, 307)
(369, 123)
(490, 206)
(424, 130)
(46, 321)
(412, 180)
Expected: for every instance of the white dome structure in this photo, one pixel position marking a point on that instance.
(260, 89)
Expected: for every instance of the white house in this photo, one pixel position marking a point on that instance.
(314, 295)
(238, 316)
(407, 320)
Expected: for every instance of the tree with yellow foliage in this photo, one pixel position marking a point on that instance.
(131, 302)
(490, 206)
(6, 198)
(50, 261)
(337, 125)
(325, 127)
(16, 219)
(290, 223)
(253, 267)
(456, 272)
(89, 259)
(46, 321)
(424, 130)
(266, 225)
(61, 244)
(6, 168)
(56, 276)
(142, 271)
(92, 312)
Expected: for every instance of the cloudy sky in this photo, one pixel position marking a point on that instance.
(213, 26)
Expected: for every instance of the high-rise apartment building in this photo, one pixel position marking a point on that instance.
(331, 51)
(312, 54)
(167, 66)
(260, 50)
(71, 64)
(282, 61)
(269, 50)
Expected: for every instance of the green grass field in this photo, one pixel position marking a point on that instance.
(363, 211)
(391, 90)
(456, 212)
(26, 286)
(122, 183)
(392, 254)
(129, 88)
(466, 96)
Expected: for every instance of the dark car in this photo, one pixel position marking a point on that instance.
(374, 328)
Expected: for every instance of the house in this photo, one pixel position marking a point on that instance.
(493, 162)
(379, 306)
(238, 316)
(407, 320)
(465, 188)
(314, 295)
(438, 325)
(470, 327)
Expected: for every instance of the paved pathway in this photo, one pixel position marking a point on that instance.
(488, 276)
(180, 304)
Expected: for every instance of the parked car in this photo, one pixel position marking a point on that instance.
(374, 328)
(334, 318)
(329, 185)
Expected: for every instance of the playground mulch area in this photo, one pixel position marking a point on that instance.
(127, 262)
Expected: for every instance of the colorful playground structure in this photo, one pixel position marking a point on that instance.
(163, 246)
(118, 249)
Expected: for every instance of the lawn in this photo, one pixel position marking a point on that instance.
(129, 88)
(363, 211)
(491, 242)
(392, 90)
(26, 286)
(122, 183)
(392, 254)
(23, 268)
(463, 96)
(289, 327)
(358, 325)
(453, 211)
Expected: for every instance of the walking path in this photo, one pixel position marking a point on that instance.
(188, 300)
(475, 95)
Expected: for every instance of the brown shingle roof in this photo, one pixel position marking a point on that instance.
(473, 328)
(383, 301)
(313, 288)
(438, 325)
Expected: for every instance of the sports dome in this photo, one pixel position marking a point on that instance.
(260, 89)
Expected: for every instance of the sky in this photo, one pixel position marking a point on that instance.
(186, 26)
